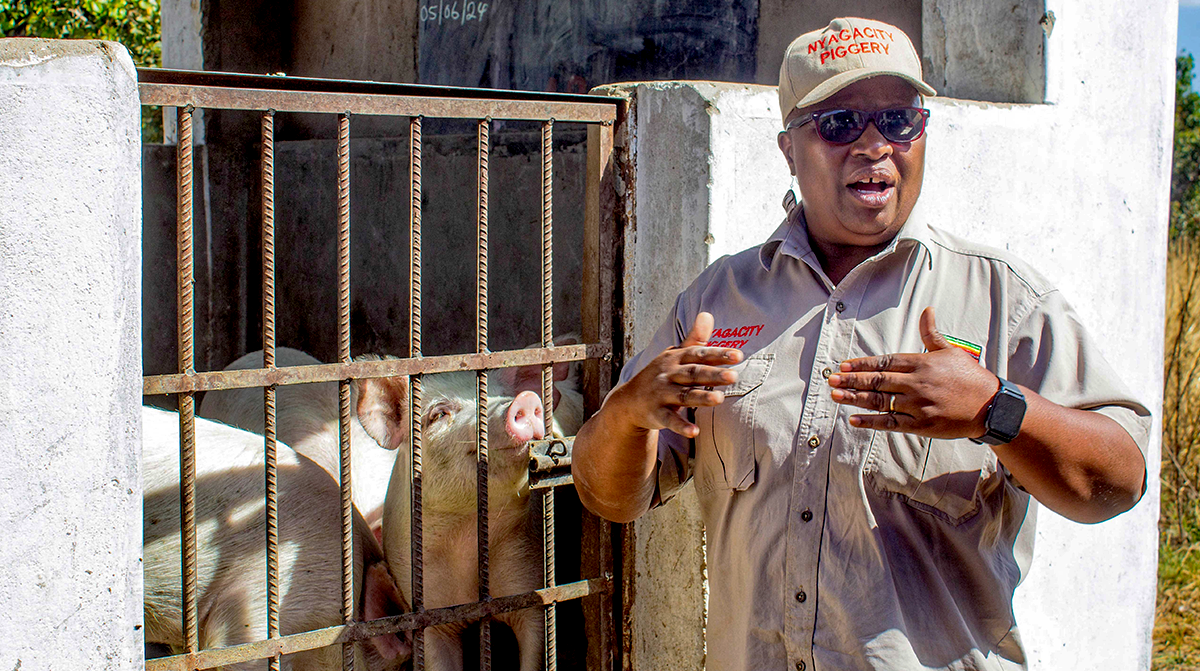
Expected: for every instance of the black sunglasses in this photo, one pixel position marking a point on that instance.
(843, 126)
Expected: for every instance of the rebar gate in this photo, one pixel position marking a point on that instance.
(549, 463)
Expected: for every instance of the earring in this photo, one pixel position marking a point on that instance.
(789, 198)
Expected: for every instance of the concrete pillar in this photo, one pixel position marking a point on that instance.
(70, 357)
(707, 180)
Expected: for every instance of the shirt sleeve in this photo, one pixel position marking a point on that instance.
(675, 452)
(1052, 354)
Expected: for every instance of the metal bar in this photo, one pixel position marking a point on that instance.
(292, 83)
(360, 631)
(270, 444)
(599, 266)
(548, 557)
(344, 385)
(177, 95)
(417, 414)
(549, 481)
(481, 345)
(598, 258)
(332, 372)
(548, 271)
(187, 405)
(606, 231)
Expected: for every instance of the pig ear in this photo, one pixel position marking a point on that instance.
(381, 599)
(529, 378)
(383, 409)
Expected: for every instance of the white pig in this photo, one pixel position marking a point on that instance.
(449, 503)
(306, 418)
(231, 549)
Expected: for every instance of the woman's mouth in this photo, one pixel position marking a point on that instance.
(873, 192)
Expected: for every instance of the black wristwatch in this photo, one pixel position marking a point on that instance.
(1005, 414)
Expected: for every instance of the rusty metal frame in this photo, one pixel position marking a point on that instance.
(549, 462)
(361, 631)
(332, 372)
(178, 95)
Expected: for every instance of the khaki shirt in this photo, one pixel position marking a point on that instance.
(832, 547)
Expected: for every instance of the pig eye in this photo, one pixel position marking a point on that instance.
(440, 411)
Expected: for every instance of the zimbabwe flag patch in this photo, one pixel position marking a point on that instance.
(969, 347)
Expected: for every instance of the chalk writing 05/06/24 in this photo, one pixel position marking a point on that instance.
(445, 11)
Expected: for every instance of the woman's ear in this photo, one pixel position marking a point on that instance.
(785, 145)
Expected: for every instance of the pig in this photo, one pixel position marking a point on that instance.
(231, 549)
(382, 413)
(307, 420)
(449, 429)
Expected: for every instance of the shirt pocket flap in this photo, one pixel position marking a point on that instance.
(751, 374)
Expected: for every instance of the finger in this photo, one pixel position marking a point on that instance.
(897, 363)
(692, 397)
(671, 420)
(701, 330)
(930, 336)
(712, 356)
(874, 381)
(697, 375)
(884, 422)
(867, 400)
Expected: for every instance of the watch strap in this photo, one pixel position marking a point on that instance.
(1006, 412)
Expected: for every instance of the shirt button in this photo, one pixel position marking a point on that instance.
(801, 596)
(814, 442)
(806, 515)
(840, 306)
(800, 665)
(826, 373)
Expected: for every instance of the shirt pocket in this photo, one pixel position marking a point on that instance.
(939, 477)
(725, 447)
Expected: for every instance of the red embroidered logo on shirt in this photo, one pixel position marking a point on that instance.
(726, 337)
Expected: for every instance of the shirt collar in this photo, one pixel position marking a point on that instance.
(791, 238)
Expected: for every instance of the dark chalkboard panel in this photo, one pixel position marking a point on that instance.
(573, 45)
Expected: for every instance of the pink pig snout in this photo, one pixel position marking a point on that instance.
(523, 421)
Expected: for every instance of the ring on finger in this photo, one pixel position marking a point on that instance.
(891, 404)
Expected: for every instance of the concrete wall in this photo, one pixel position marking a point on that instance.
(992, 51)
(70, 368)
(781, 21)
(1070, 186)
(356, 39)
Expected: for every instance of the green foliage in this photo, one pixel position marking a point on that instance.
(133, 23)
(1185, 174)
(1177, 620)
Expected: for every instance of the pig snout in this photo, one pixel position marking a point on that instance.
(523, 420)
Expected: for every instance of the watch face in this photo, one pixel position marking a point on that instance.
(1006, 415)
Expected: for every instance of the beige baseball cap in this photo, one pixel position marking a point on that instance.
(817, 65)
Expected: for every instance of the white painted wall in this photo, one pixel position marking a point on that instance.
(70, 357)
(1077, 186)
(182, 49)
